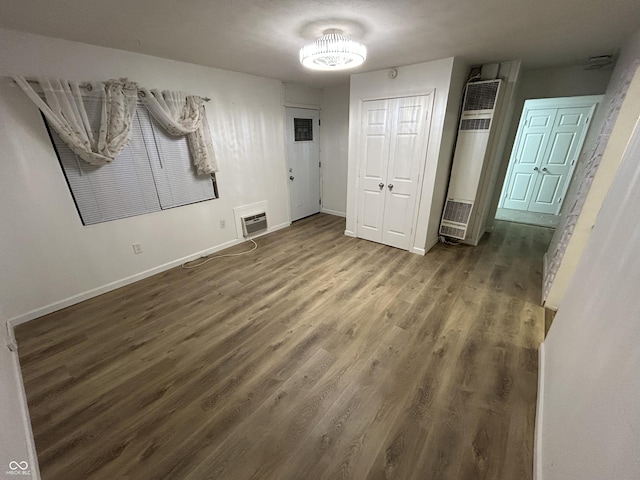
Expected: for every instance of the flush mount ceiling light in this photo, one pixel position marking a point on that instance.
(333, 51)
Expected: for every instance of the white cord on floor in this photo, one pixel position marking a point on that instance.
(255, 245)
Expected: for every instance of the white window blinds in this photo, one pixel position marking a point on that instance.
(152, 173)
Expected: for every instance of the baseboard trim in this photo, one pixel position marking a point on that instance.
(22, 403)
(94, 292)
(537, 446)
(333, 212)
(350, 233)
(545, 267)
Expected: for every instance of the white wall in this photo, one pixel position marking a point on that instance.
(589, 424)
(591, 180)
(334, 146)
(416, 79)
(295, 95)
(47, 257)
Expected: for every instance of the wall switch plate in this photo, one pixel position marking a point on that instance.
(223, 224)
(137, 248)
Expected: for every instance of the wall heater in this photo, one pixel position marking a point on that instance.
(252, 224)
(469, 160)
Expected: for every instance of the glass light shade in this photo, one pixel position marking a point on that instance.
(333, 51)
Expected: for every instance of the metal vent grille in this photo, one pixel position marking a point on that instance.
(475, 124)
(303, 129)
(481, 96)
(455, 219)
(454, 232)
(254, 223)
(457, 212)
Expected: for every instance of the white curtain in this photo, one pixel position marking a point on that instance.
(181, 114)
(64, 109)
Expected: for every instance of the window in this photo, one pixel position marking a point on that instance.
(303, 129)
(154, 172)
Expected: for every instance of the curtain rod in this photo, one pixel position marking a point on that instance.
(85, 85)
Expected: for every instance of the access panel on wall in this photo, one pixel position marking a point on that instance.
(391, 157)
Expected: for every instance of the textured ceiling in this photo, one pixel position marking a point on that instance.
(262, 37)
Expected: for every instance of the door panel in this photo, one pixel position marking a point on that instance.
(374, 152)
(405, 158)
(521, 187)
(527, 155)
(374, 148)
(558, 162)
(395, 224)
(303, 161)
(546, 192)
(372, 211)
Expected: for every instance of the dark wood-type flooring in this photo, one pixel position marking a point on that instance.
(317, 356)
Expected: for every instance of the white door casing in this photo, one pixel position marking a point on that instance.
(392, 153)
(303, 163)
(549, 139)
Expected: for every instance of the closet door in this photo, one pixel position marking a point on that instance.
(406, 155)
(556, 167)
(392, 152)
(527, 155)
(374, 157)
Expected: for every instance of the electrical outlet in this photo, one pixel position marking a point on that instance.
(223, 223)
(137, 248)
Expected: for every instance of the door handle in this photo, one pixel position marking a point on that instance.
(535, 169)
(390, 186)
(290, 177)
(544, 169)
(381, 185)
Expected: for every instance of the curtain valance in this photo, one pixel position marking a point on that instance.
(181, 114)
(64, 109)
(176, 112)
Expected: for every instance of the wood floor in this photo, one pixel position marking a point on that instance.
(317, 356)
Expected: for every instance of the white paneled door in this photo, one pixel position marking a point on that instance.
(303, 161)
(392, 152)
(547, 146)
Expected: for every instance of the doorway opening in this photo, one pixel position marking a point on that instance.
(549, 140)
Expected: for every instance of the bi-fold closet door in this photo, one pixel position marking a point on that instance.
(391, 158)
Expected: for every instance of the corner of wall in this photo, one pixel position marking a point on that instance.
(500, 150)
(459, 76)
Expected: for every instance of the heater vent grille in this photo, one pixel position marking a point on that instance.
(254, 223)
(455, 219)
(453, 232)
(475, 124)
(481, 95)
(458, 212)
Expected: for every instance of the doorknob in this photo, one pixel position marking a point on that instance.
(535, 169)
(291, 177)
(544, 169)
(390, 186)
(381, 185)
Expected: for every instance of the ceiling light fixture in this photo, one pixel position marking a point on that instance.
(333, 51)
